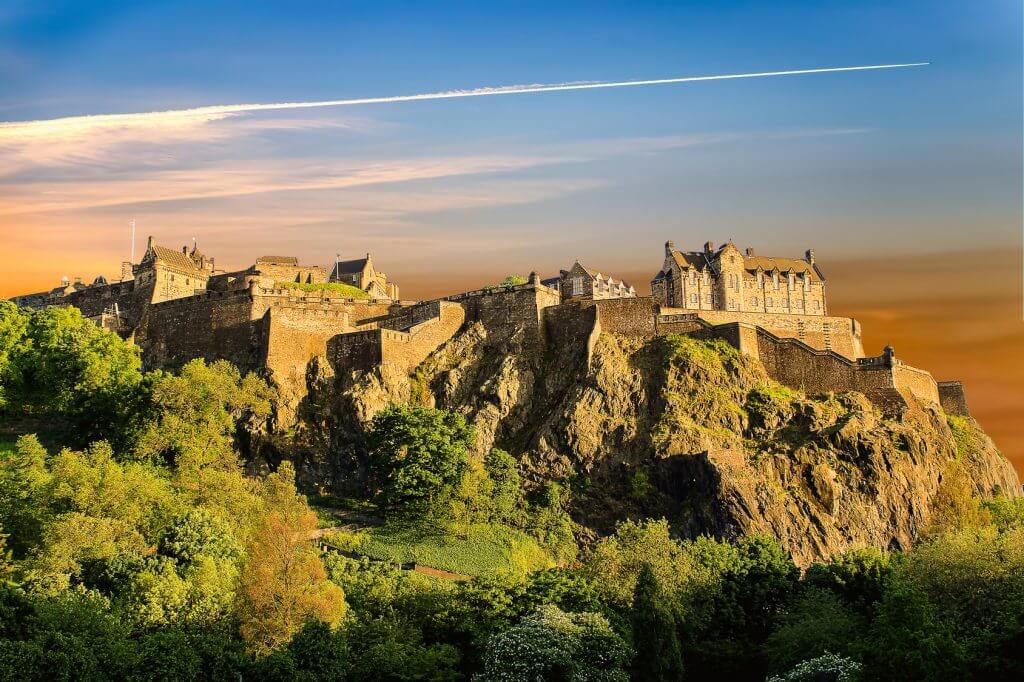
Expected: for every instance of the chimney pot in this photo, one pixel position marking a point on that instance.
(709, 247)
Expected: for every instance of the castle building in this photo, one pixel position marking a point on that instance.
(172, 274)
(360, 273)
(580, 282)
(728, 280)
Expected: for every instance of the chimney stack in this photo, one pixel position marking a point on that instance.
(709, 247)
(809, 256)
(750, 252)
(670, 246)
(149, 244)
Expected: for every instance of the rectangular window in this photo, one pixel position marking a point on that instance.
(577, 286)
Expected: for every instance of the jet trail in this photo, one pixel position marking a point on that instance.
(78, 125)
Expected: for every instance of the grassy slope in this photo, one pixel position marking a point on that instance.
(481, 549)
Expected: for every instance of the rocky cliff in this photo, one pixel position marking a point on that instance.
(672, 426)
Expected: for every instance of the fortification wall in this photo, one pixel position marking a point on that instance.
(359, 310)
(509, 306)
(363, 350)
(916, 381)
(627, 316)
(281, 272)
(573, 326)
(408, 349)
(211, 325)
(839, 334)
(953, 398)
(293, 337)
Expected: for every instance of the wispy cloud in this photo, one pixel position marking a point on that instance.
(251, 177)
(71, 127)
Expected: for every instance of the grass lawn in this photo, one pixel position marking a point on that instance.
(479, 549)
(328, 288)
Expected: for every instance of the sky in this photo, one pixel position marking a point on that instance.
(902, 166)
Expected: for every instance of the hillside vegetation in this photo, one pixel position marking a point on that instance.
(639, 516)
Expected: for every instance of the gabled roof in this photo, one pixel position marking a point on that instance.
(691, 259)
(175, 259)
(768, 264)
(349, 267)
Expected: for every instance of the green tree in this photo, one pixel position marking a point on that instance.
(513, 280)
(731, 603)
(658, 655)
(818, 621)
(195, 415)
(417, 456)
(23, 476)
(617, 561)
(505, 494)
(858, 576)
(89, 375)
(13, 344)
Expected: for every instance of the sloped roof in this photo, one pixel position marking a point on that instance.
(690, 259)
(175, 259)
(768, 264)
(349, 267)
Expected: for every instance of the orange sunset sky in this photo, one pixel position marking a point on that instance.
(906, 181)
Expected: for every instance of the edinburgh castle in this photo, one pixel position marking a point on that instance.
(277, 316)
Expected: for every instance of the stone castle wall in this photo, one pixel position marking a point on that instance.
(407, 336)
(211, 325)
(952, 398)
(839, 334)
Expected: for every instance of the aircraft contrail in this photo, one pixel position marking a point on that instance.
(72, 125)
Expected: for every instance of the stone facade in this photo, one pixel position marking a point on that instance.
(361, 273)
(580, 282)
(725, 279)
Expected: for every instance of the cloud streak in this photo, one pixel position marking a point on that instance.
(80, 126)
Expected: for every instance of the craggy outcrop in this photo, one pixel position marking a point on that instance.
(673, 426)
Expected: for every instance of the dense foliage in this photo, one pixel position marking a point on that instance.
(133, 547)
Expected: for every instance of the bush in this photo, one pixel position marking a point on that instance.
(824, 668)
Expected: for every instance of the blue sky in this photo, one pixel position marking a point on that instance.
(905, 160)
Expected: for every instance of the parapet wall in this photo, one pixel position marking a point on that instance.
(839, 334)
(363, 350)
(509, 306)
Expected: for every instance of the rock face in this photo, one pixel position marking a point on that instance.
(672, 426)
